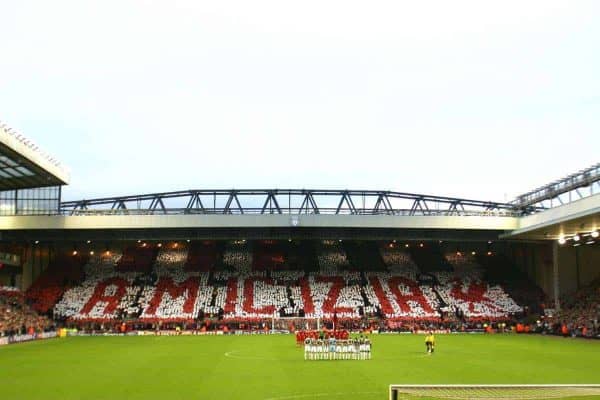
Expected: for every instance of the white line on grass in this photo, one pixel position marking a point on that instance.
(312, 395)
(232, 354)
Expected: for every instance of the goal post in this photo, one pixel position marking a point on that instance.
(494, 392)
(280, 324)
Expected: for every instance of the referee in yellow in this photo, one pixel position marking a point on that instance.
(430, 342)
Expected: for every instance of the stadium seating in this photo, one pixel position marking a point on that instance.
(103, 294)
(16, 316)
(175, 258)
(137, 259)
(580, 311)
(394, 257)
(9, 291)
(267, 255)
(238, 255)
(499, 269)
(244, 289)
(332, 256)
(399, 296)
(202, 256)
(49, 287)
(473, 297)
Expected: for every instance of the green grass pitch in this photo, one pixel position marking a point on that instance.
(272, 367)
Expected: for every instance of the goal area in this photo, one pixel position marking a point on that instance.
(493, 392)
(293, 324)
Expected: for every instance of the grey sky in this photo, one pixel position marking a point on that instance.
(472, 99)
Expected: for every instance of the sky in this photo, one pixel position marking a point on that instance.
(473, 99)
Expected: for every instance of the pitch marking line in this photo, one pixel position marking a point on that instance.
(313, 395)
(232, 354)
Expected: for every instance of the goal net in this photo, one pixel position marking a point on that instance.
(293, 324)
(493, 392)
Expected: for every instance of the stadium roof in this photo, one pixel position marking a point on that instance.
(562, 191)
(24, 165)
(578, 217)
(568, 207)
(286, 201)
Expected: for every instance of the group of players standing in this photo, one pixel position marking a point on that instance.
(322, 347)
(335, 349)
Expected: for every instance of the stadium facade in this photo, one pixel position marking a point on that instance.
(550, 234)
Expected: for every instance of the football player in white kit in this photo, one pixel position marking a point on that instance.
(363, 349)
(306, 348)
(321, 347)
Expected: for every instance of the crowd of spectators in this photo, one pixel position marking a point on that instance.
(234, 291)
(16, 317)
(173, 258)
(238, 256)
(392, 256)
(461, 262)
(400, 296)
(331, 256)
(107, 292)
(170, 292)
(579, 314)
(468, 295)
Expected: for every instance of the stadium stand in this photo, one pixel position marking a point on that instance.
(61, 274)
(500, 270)
(580, 313)
(16, 316)
(253, 283)
(137, 259)
(467, 293)
(332, 256)
(238, 256)
(202, 256)
(268, 255)
(393, 257)
(430, 258)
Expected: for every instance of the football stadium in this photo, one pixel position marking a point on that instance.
(295, 293)
(316, 200)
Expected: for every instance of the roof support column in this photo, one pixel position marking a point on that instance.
(27, 277)
(555, 275)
